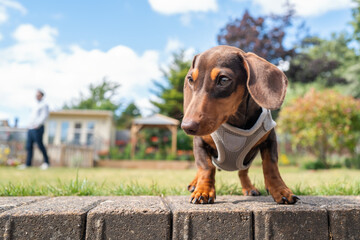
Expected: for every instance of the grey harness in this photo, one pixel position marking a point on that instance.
(233, 144)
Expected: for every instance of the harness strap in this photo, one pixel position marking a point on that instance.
(233, 144)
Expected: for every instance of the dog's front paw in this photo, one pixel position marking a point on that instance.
(191, 187)
(251, 191)
(283, 196)
(203, 193)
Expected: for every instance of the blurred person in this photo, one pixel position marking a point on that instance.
(36, 131)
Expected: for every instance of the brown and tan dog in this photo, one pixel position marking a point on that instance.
(227, 85)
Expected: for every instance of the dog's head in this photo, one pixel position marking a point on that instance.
(217, 83)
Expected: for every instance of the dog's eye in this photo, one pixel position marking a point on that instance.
(223, 81)
(190, 80)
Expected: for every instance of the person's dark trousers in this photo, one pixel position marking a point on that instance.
(35, 136)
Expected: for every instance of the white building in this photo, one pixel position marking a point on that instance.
(93, 128)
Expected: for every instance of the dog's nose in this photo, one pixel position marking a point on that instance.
(190, 127)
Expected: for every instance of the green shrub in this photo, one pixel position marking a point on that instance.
(159, 155)
(117, 154)
(320, 165)
(336, 165)
(186, 157)
(184, 141)
(141, 154)
(171, 156)
(127, 152)
(323, 122)
(314, 165)
(353, 162)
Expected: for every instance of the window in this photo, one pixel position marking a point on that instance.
(64, 131)
(52, 132)
(90, 133)
(77, 133)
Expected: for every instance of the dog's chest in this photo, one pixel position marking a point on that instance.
(233, 144)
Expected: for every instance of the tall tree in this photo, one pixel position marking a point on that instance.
(263, 36)
(126, 117)
(322, 61)
(356, 21)
(100, 96)
(353, 72)
(171, 92)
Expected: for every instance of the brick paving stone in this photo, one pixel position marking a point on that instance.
(343, 213)
(141, 217)
(222, 220)
(281, 221)
(53, 218)
(7, 203)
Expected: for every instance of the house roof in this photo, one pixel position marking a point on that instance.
(82, 112)
(157, 119)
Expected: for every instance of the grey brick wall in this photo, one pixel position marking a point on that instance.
(146, 217)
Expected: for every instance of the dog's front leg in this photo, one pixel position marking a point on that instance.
(273, 181)
(203, 186)
(247, 188)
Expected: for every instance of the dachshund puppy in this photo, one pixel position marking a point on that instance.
(228, 95)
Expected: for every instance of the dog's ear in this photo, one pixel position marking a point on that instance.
(266, 83)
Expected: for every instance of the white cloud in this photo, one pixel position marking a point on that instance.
(32, 45)
(9, 4)
(28, 33)
(57, 16)
(185, 19)
(4, 116)
(13, 4)
(183, 6)
(189, 54)
(146, 107)
(304, 7)
(36, 61)
(173, 45)
(3, 14)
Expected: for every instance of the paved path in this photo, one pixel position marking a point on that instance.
(145, 217)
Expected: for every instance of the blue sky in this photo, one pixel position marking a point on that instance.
(63, 46)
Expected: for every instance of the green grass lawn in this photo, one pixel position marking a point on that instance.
(106, 181)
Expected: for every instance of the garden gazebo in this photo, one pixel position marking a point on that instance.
(154, 121)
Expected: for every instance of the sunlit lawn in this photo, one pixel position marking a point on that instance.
(106, 181)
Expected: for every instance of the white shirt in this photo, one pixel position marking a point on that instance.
(39, 115)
